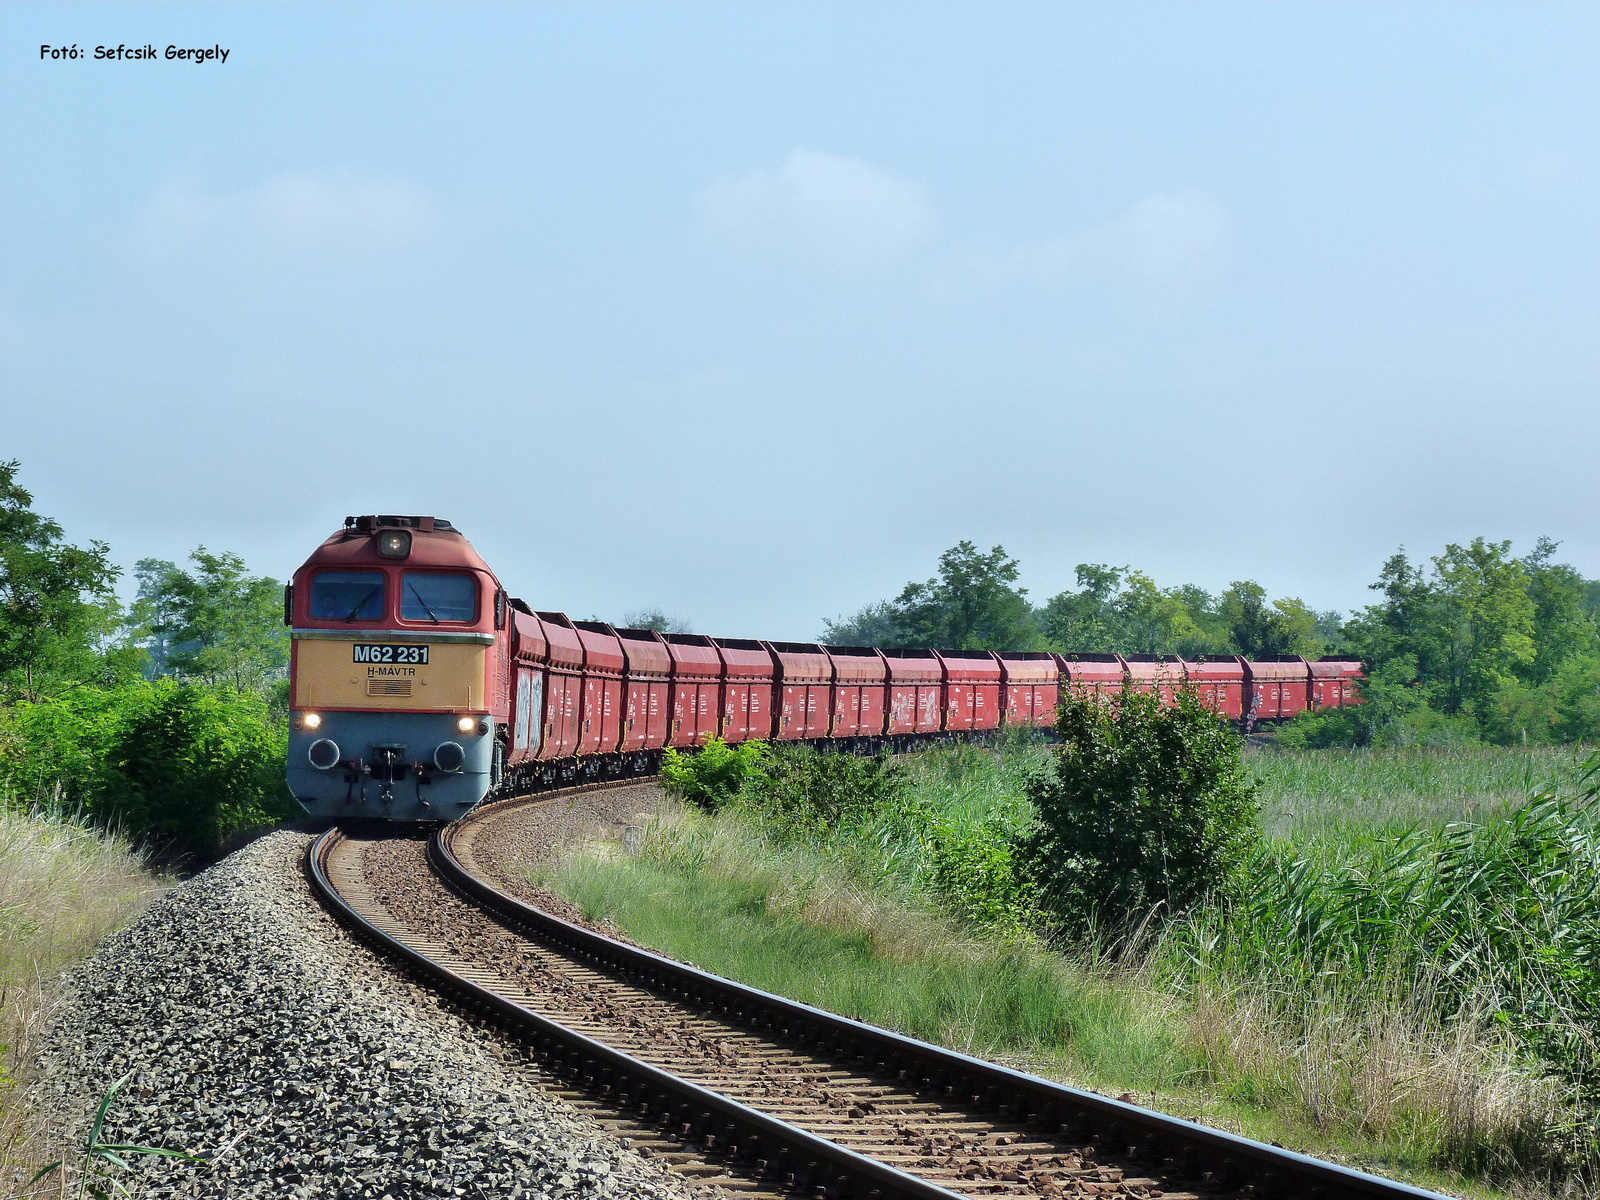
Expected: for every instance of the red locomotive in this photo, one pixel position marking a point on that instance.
(418, 686)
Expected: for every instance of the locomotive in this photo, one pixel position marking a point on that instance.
(418, 686)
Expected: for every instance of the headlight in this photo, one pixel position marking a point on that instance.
(394, 544)
(467, 724)
(308, 720)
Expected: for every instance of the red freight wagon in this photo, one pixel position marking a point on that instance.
(1276, 687)
(1162, 675)
(915, 681)
(1218, 682)
(696, 684)
(1091, 674)
(971, 689)
(805, 681)
(1029, 681)
(748, 672)
(646, 680)
(563, 686)
(1333, 682)
(530, 656)
(859, 675)
(600, 720)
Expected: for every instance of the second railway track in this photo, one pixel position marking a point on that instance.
(758, 1093)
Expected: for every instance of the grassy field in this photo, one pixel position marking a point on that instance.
(1339, 794)
(63, 888)
(1195, 1019)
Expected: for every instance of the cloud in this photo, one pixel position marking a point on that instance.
(290, 215)
(825, 209)
(1171, 241)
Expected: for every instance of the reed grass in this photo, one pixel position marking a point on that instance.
(63, 888)
(1339, 795)
(1364, 1040)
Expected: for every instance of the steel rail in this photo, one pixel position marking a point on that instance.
(952, 1077)
(744, 1135)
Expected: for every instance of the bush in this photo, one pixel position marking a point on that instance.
(713, 775)
(186, 762)
(196, 764)
(1146, 806)
(978, 874)
(806, 793)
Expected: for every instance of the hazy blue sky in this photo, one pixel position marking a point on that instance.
(749, 311)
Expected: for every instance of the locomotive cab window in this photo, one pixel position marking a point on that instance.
(347, 596)
(438, 598)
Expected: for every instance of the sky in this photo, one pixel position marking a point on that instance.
(747, 312)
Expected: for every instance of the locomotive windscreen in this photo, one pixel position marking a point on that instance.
(438, 598)
(347, 596)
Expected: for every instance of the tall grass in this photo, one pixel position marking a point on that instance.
(63, 888)
(1434, 989)
(1334, 795)
(1413, 978)
(797, 928)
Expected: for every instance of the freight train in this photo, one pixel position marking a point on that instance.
(418, 686)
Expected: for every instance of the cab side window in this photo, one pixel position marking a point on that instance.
(347, 596)
(438, 598)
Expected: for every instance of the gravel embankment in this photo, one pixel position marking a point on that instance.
(259, 1034)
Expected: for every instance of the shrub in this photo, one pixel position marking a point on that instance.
(713, 775)
(977, 873)
(196, 764)
(806, 793)
(1146, 806)
(190, 763)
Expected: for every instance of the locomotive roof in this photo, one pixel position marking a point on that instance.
(434, 543)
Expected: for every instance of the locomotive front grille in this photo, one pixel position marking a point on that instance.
(388, 687)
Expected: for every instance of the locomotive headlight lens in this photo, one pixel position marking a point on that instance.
(467, 724)
(394, 544)
(310, 720)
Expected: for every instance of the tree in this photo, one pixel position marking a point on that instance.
(219, 624)
(58, 610)
(1152, 621)
(1147, 805)
(1261, 630)
(874, 625)
(654, 618)
(1561, 625)
(1406, 628)
(1119, 610)
(1488, 621)
(156, 611)
(972, 604)
(1085, 621)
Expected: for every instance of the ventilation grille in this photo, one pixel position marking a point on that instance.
(388, 687)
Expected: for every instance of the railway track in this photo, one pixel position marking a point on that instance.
(761, 1094)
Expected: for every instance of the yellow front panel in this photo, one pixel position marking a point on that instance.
(327, 676)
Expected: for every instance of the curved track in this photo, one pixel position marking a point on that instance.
(756, 1092)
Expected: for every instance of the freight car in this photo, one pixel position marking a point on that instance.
(418, 686)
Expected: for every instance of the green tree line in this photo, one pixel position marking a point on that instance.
(166, 716)
(1474, 643)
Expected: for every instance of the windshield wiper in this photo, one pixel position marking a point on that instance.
(422, 602)
(362, 603)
